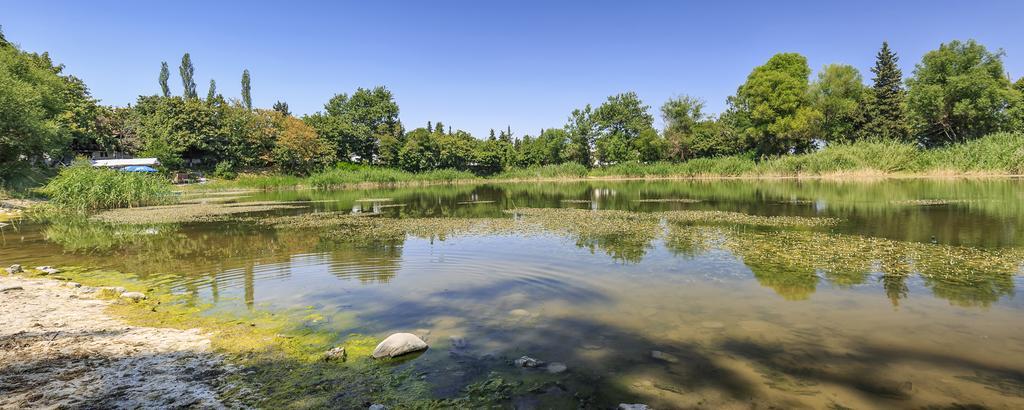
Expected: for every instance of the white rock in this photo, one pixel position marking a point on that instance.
(527, 361)
(337, 353)
(519, 312)
(657, 354)
(378, 407)
(49, 270)
(10, 288)
(627, 406)
(14, 269)
(136, 296)
(399, 344)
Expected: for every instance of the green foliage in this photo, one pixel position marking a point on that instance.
(298, 150)
(349, 174)
(884, 106)
(165, 74)
(188, 83)
(582, 130)
(281, 107)
(774, 106)
(565, 170)
(82, 188)
(211, 93)
(960, 92)
(838, 95)
(621, 119)
(246, 90)
(43, 113)
(356, 123)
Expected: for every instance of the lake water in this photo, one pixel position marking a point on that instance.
(906, 299)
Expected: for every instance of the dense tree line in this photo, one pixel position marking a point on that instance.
(957, 92)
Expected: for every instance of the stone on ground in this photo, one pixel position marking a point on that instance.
(399, 344)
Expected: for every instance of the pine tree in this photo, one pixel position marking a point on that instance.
(246, 90)
(884, 109)
(188, 83)
(492, 137)
(282, 107)
(211, 94)
(165, 74)
(430, 126)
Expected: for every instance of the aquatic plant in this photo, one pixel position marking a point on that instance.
(82, 188)
(186, 212)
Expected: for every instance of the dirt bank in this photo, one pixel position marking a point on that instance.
(59, 348)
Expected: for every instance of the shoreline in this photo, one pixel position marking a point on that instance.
(60, 347)
(853, 176)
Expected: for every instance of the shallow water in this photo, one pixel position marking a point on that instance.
(741, 315)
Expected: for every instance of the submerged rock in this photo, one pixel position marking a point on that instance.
(556, 367)
(657, 354)
(519, 312)
(527, 361)
(15, 268)
(136, 296)
(399, 344)
(378, 407)
(458, 342)
(337, 353)
(637, 406)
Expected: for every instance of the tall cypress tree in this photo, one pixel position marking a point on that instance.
(884, 110)
(246, 96)
(188, 83)
(212, 92)
(165, 74)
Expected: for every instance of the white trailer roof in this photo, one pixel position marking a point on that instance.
(126, 162)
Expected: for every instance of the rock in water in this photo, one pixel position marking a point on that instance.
(136, 296)
(378, 407)
(657, 354)
(627, 406)
(527, 361)
(556, 367)
(49, 270)
(337, 353)
(14, 269)
(399, 344)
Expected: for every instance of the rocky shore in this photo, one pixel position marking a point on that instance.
(60, 349)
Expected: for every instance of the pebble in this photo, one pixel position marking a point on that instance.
(16, 268)
(527, 361)
(136, 296)
(657, 354)
(337, 353)
(519, 312)
(378, 407)
(49, 270)
(6, 289)
(637, 406)
(556, 367)
(458, 342)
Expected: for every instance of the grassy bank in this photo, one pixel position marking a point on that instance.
(996, 154)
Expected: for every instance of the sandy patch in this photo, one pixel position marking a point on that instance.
(60, 349)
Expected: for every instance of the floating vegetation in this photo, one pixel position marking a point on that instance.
(80, 234)
(929, 202)
(675, 200)
(186, 212)
(345, 227)
(474, 202)
(791, 261)
(211, 199)
(586, 217)
(375, 200)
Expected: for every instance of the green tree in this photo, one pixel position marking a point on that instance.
(420, 151)
(884, 107)
(186, 70)
(282, 107)
(42, 112)
(621, 119)
(682, 116)
(774, 106)
(211, 93)
(246, 90)
(582, 131)
(165, 74)
(356, 124)
(838, 95)
(297, 149)
(959, 92)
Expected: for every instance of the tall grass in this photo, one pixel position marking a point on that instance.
(81, 188)
(566, 170)
(347, 175)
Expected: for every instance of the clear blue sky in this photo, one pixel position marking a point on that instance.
(478, 65)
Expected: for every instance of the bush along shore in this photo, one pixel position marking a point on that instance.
(1000, 154)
